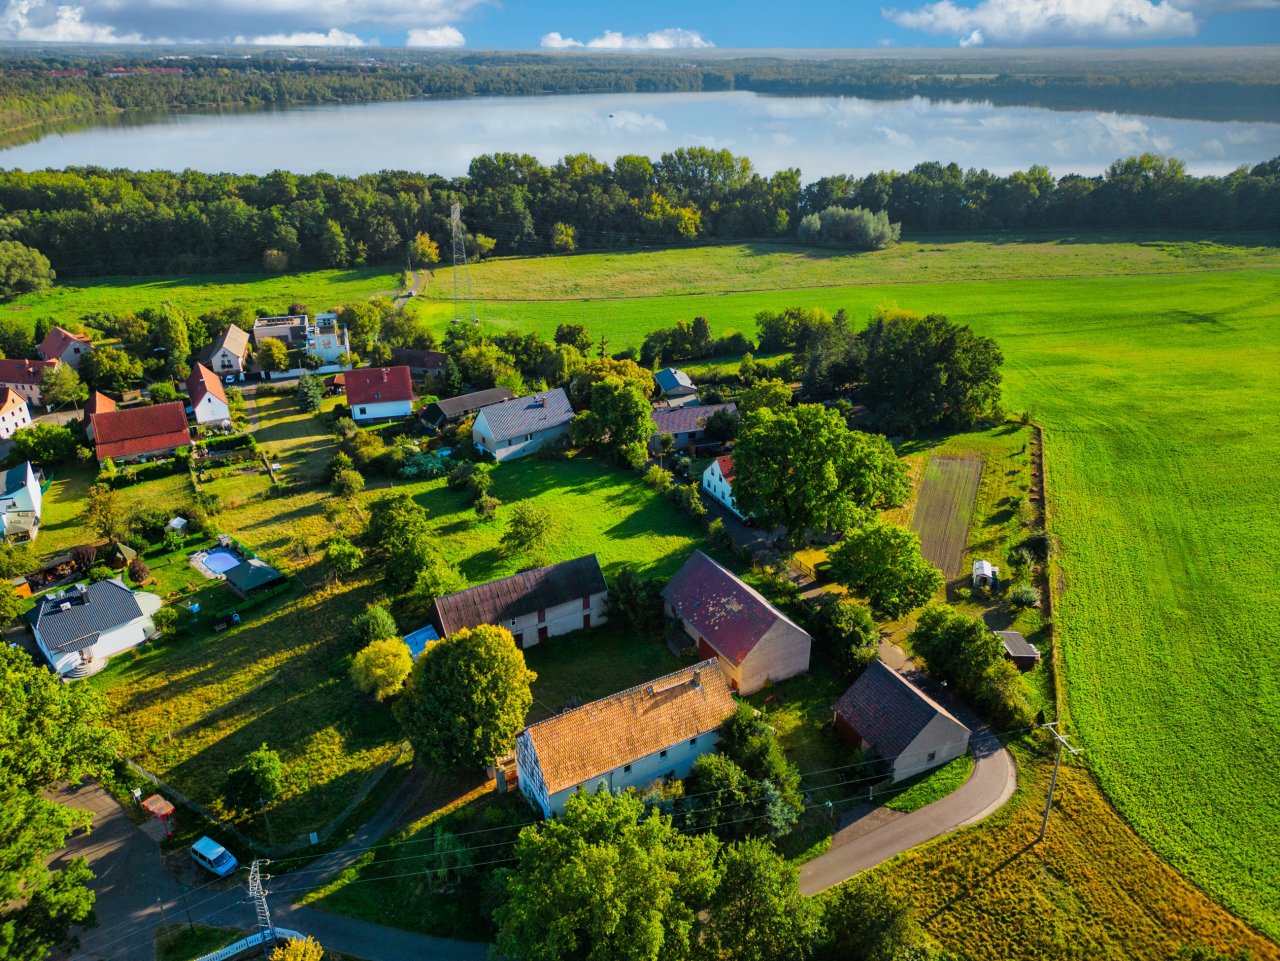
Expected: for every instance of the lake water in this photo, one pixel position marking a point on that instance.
(820, 135)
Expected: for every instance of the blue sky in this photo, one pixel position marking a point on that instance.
(652, 24)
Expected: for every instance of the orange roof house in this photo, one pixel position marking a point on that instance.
(140, 431)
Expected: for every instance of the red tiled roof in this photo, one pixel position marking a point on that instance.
(378, 385)
(20, 371)
(98, 403)
(726, 467)
(411, 357)
(10, 399)
(139, 430)
(204, 381)
(719, 606)
(57, 341)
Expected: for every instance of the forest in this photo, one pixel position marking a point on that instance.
(95, 222)
(40, 89)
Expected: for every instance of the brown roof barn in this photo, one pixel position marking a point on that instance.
(755, 641)
(904, 725)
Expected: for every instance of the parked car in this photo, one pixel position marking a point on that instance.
(212, 856)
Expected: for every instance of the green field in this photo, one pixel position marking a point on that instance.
(1158, 395)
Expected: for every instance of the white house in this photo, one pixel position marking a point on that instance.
(324, 337)
(717, 481)
(631, 739)
(228, 354)
(62, 345)
(756, 642)
(208, 398)
(20, 503)
(379, 393)
(14, 412)
(533, 605)
(884, 711)
(79, 628)
(516, 428)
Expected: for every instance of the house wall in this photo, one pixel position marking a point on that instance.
(677, 763)
(521, 446)
(942, 738)
(719, 489)
(224, 362)
(30, 392)
(384, 410)
(210, 410)
(14, 421)
(561, 619)
(149, 454)
(529, 775)
(780, 654)
(74, 354)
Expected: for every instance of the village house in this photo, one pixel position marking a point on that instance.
(64, 346)
(517, 428)
(24, 376)
(1024, 655)
(229, 354)
(437, 415)
(79, 628)
(717, 481)
(379, 393)
(419, 362)
(628, 740)
(533, 605)
(14, 413)
(207, 396)
(323, 337)
(98, 403)
(20, 503)
(688, 425)
(756, 642)
(911, 731)
(676, 387)
(140, 432)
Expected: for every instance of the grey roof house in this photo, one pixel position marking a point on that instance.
(688, 425)
(517, 428)
(884, 711)
(532, 605)
(253, 577)
(451, 409)
(676, 386)
(79, 628)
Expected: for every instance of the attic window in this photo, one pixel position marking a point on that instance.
(662, 754)
(693, 740)
(626, 769)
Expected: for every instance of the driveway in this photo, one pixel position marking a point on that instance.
(136, 892)
(871, 835)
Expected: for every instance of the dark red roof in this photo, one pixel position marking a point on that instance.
(411, 357)
(888, 710)
(140, 430)
(20, 371)
(726, 467)
(719, 606)
(378, 385)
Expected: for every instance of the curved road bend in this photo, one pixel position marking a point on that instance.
(874, 837)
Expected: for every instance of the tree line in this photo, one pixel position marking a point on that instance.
(91, 221)
(1240, 88)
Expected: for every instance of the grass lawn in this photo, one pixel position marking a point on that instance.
(923, 789)
(319, 290)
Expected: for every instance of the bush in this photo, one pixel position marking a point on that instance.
(635, 599)
(845, 628)
(83, 556)
(258, 780)
(718, 534)
(658, 479)
(633, 455)
(1023, 596)
(166, 620)
(374, 622)
(381, 667)
(138, 570)
(686, 497)
(486, 506)
(342, 557)
(99, 573)
(348, 483)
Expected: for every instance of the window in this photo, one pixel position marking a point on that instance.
(662, 754)
(932, 755)
(542, 615)
(693, 740)
(362, 411)
(627, 769)
(586, 602)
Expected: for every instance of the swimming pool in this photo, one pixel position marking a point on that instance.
(219, 560)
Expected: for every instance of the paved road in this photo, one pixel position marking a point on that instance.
(859, 846)
(136, 891)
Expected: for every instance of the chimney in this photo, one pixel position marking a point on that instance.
(697, 679)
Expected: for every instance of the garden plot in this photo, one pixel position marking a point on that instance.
(944, 509)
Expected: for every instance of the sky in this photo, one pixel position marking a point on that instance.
(649, 25)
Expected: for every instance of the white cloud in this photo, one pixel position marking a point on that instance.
(305, 38)
(1226, 6)
(673, 38)
(1054, 21)
(41, 21)
(975, 39)
(447, 36)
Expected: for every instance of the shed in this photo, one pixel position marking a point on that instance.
(441, 412)
(1018, 649)
(985, 574)
(253, 577)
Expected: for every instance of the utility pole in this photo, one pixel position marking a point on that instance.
(1053, 781)
(258, 895)
(460, 268)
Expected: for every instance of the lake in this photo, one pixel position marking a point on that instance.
(821, 135)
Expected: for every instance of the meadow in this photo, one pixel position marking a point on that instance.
(1156, 385)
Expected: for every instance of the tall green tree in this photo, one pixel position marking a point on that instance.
(529, 529)
(803, 468)
(49, 733)
(259, 780)
(111, 370)
(23, 270)
(863, 921)
(272, 355)
(61, 385)
(758, 912)
(604, 882)
(466, 699)
(46, 444)
(883, 563)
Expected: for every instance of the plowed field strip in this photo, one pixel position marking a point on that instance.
(944, 508)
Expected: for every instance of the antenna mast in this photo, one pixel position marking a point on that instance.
(460, 266)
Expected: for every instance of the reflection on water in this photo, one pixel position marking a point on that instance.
(821, 135)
